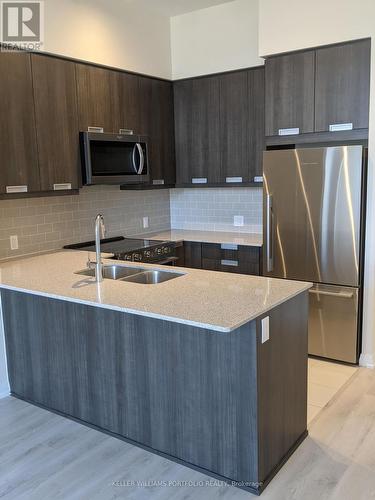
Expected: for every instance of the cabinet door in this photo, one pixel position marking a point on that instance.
(197, 130)
(342, 85)
(290, 81)
(234, 127)
(128, 115)
(18, 150)
(163, 132)
(98, 98)
(193, 254)
(56, 121)
(256, 122)
(156, 106)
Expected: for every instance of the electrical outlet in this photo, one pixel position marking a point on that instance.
(265, 329)
(238, 220)
(145, 222)
(14, 242)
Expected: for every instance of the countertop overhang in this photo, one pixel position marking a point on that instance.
(216, 301)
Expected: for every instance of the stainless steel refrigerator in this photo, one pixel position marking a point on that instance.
(313, 231)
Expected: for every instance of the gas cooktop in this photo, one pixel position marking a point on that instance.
(130, 249)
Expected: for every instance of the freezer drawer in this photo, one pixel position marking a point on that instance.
(333, 322)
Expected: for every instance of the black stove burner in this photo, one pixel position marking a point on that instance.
(130, 249)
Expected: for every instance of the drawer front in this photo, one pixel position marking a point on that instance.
(218, 252)
(238, 259)
(230, 252)
(233, 265)
(230, 266)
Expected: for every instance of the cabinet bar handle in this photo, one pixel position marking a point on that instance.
(338, 127)
(158, 182)
(258, 178)
(199, 180)
(233, 263)
(228, 180)
(289, 131)
(126, 131)
(98, 130)
(62, 186)
(229, 246)
(16, 189)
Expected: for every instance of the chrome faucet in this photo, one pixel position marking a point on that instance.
(99, 233)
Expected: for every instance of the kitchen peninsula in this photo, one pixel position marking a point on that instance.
(207, 369)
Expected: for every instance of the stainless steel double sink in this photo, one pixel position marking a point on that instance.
(140, 275)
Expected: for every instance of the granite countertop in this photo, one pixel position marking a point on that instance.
(247, 239)
(217, 301)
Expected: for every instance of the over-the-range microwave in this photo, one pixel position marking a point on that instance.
(113, 158)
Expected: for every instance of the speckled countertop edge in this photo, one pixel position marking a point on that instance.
(117, 300)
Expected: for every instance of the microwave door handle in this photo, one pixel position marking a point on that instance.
(141, 159)
(138, 148)
(133, 159)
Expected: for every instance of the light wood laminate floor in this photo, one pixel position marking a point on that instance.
(45, 456)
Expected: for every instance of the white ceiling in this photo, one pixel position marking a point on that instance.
(175, 7)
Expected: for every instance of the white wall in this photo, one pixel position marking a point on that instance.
(297, 24)
(113, 33)
(219, 38)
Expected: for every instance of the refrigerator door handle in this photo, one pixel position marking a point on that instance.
(269, 228)
(342, 294)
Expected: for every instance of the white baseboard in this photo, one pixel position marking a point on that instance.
(367, 360)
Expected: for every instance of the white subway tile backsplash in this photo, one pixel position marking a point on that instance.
(213, 209)
(51, 222)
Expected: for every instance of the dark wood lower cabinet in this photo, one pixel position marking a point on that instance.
(231, 259)
(227, 258)
(223, 403)
(192, 254)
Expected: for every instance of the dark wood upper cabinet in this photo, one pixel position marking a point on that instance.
(219, 124)
(197, 130)
(56, 115)
(242, 125)
(98, 98)
(234, 126)
(256, 88)
(342, 85)
(163, 167)
(157, 122)
(290, 81)
(18, 146)
(128, 115)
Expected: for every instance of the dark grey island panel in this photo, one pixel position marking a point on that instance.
(227, 404)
